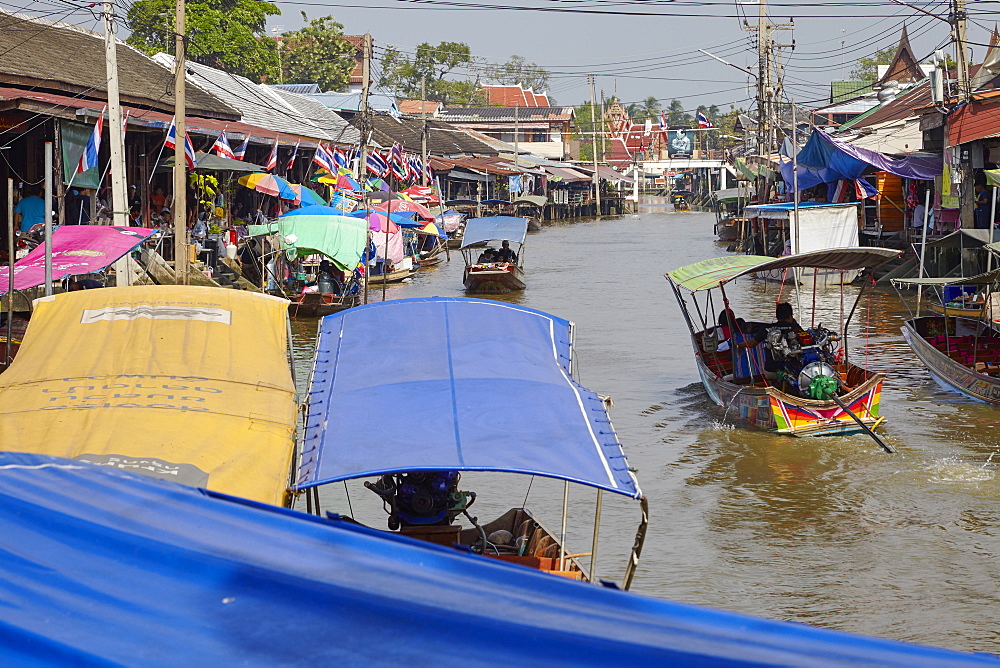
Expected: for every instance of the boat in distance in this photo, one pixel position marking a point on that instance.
(484, 386)
(817, 391)
(492, 274)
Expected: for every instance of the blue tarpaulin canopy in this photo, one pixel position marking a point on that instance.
(479, 386)
(492, 228)
(100, 566)
(825, 159)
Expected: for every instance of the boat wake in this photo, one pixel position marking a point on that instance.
(950, 470)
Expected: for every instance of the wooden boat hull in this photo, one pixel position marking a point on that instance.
(728, 229)
(948, 372)
(317, 305)
(531, 545)
(771, 409)
(493, 278)
(391, 277)
(952, 311)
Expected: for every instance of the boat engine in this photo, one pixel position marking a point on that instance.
(420, 498)
(808, 357)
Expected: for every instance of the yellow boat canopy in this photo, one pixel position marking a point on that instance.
(183, 383)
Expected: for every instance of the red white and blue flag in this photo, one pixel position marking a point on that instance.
(272, 160)
(325, 159)
(91, 152)
(171, 140)
(222, 148)
(703, 121)
(376, 164)
(189, 155)
(663, 122)
(291, 161)
(242, 150)
(398, 161)
(339, 159)
(171, 143)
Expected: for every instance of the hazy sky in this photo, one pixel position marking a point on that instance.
(655, 55)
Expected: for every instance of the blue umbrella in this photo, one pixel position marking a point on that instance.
(401, 219)
(310, 197)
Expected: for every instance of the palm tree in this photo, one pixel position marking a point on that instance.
(676, 115)
(651, 107)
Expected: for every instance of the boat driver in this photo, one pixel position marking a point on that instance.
(784, 325)
(505, 254)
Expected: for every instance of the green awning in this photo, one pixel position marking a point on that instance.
(992, 177)
(980, 279)
(340, 238)
(708, 274)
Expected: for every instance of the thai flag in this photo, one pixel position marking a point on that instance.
(376, 164)
(90, 153)
(222, 148)
(339, 159)
(242, 150)
(324, 159)
(413, 169)
(171, 140)
(663, 122)
(429, 172)
(272, 160)
(703, 121)
(398, 161)
(291, 161)
(189, 155)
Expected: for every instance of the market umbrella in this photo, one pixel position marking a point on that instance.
(323, 229)
(430, 228)
(307, 196)
(422, 194)
(406, 206)
(377, 222)
(269, 184)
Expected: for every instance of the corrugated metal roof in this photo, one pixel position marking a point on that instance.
(856, 106)
(443, 139)
(301, 89)
(66, 59)
(454, 114)
(846, 90)
(899, 107)
(264, 107)
(977, 120)
(352, 101)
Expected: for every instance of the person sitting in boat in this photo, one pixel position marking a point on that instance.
(726, 328)
(784, 329)
(487, 256)
(505, 254)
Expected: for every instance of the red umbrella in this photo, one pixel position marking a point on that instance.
(419, 193)
(406, 206)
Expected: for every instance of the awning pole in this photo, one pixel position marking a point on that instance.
(562, 534)
(597, 528)
(993, 227)
(923, 240)
(10, 268)
(640, 538)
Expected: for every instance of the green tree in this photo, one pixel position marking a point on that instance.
(518, 70)
(227, 34)
(650, 108)
(676, 116)
(866, 69)
(318, 53)
(431, 65)
(585, 129)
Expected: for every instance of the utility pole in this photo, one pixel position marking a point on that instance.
(517, 131)
(423, 131)
(366, 47)
(180, 162)
(957, 19)
(603, 149)
(593, 148)
(116, 170)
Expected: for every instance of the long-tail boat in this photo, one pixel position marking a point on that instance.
(826, 395)
(473, 385)
(961, 353)
(493, 276)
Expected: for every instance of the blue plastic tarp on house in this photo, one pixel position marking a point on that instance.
(472, 385)
(98, 566)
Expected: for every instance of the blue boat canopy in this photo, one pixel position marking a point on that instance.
(103, 566)
(466, 385)
(493, 228)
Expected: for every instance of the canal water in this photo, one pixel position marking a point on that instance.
(832, 532)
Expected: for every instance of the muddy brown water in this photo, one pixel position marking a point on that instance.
(830, 531)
